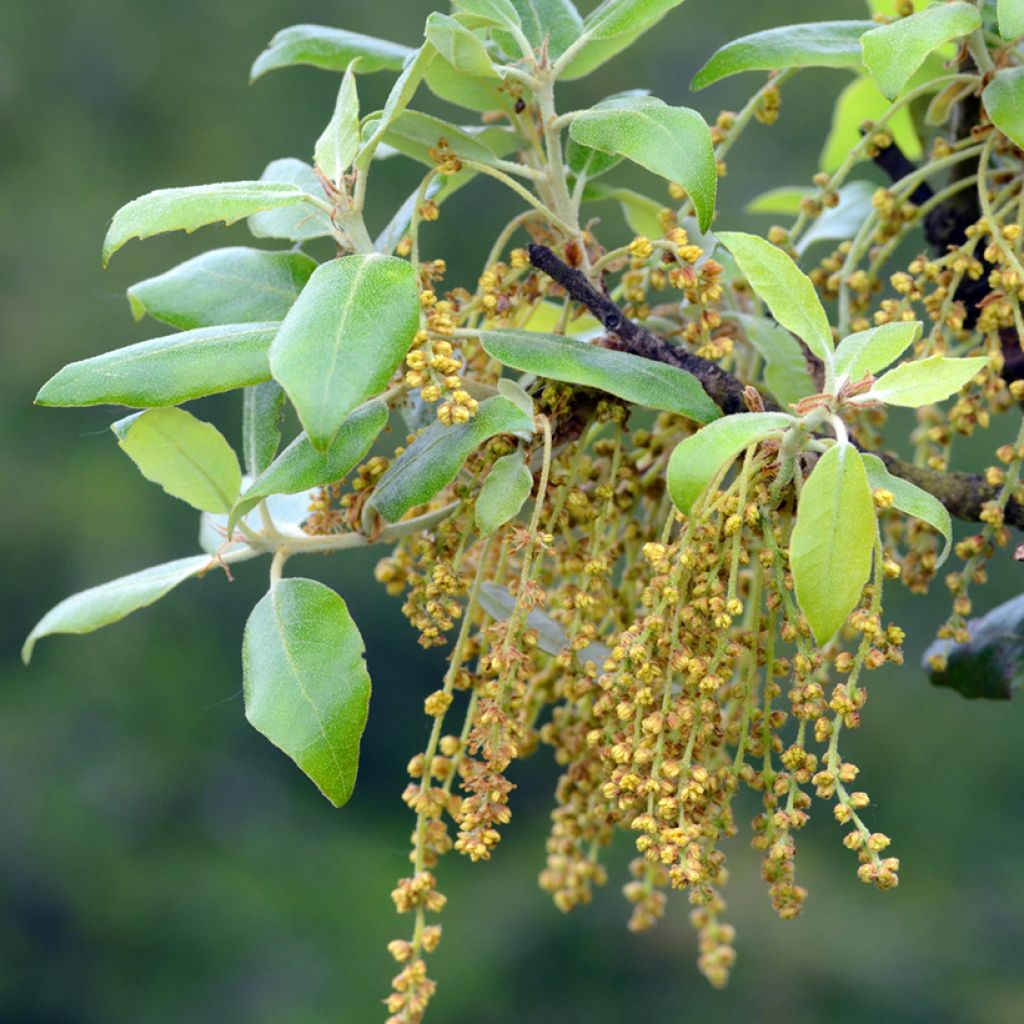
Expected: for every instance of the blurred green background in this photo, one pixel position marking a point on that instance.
(159, 861)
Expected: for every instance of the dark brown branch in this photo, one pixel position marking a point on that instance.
(963, 494)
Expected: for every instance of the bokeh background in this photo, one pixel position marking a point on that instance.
(159, 861)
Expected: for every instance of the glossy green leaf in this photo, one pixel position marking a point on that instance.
(893, 52)
(235, 285)
(305, 681)
(1010, 15)
(332, 49)
(912, 500)
(874, 349)
(340, 140)
(295, 223)
(632, 378)
(862, 101)
(262, 415)
(673, 142)
(166, 371)
(821, 44)
(786, 290)
(188, 458)
(186, 209)
(458, 45)
(786, 374)
(1004, 102)
(923, 381)
(612, 27)
(838, 223)
(785, 199)
(111, 602)
(343, 339)
(300, 467)
(991, 664)
(434, 459)
(698, 459)
(832, 542)
(506, 488)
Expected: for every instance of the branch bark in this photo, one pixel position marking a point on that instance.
(963, 494)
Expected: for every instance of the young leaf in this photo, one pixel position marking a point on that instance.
(786, 373)
(300, 467)
(235, 285)
(339, 142)
(262, 413)
(344, 338)
(507, 486)
(893, 52)
(786, 290)
(471, 92)
(821, 44)
(185, 209)
(517, 394)
(434, 459)
(698, 459)
(632, 378)
(297, 223)
(673, 142)
(414, 134)
(1004, 102)
(459, 46)
(332, 49)
(909, 498)
(923, 381)
(833, 540)
(188, 458)
(166, 371)
(492, 13)
(305, 682)
(837, 223)
(111, 602)
(612, 27)
(874, 349)
(1010, 14)
(551, 24)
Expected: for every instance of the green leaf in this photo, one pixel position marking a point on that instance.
(296, 223)
(786, 375)
(909, 498)
(473, 93)
(496, 13)
(1010, 14)
(507, 486)
(343, 339)
(923, 381)
(874, 349)
(673, 142)
(640, 212)
(166, 371)
(262, 415)
(188, 458)
(893, 52)
(991, 664)
(698, 459)
(862, 101)
(785, 200)
(551, 24)
(305, 682)
(612, 27)
(111, 602)
(787, 292)
(340, 140)
(632, 378)
(833, 540)
(300, 467)
(414, 134)
(235, 285)
(434, 459)
(185, 209)
(332, 49)
(821, 44)
(459, 46)
(1004, 103)
(837, 223)
(517, 394)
